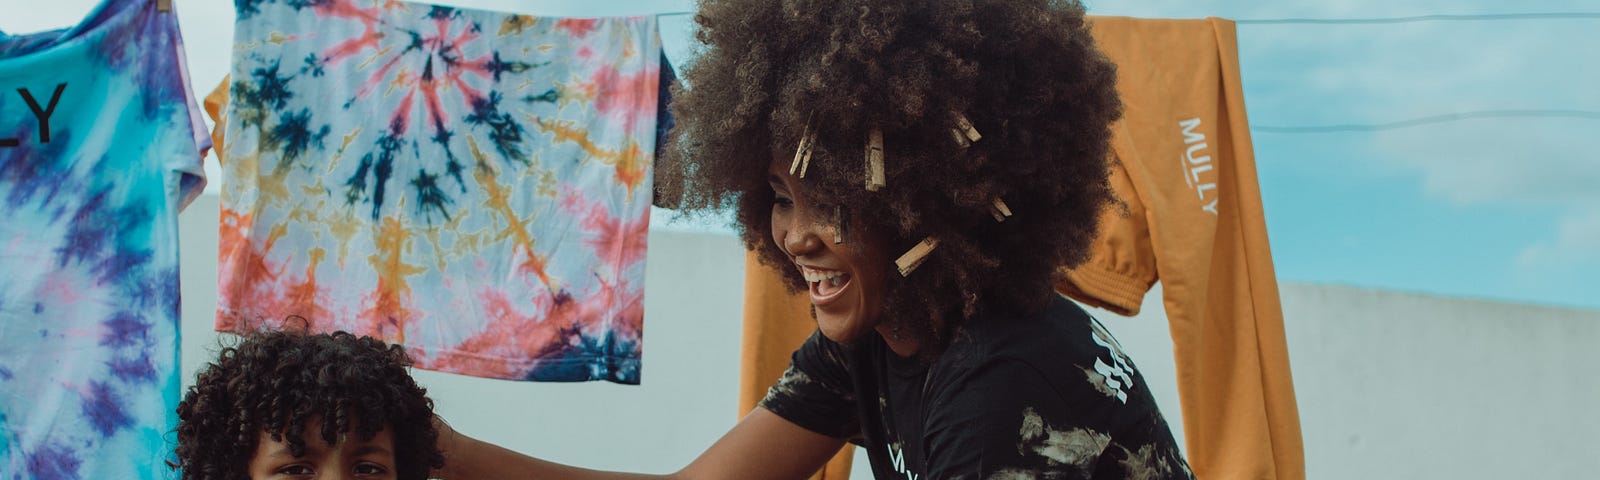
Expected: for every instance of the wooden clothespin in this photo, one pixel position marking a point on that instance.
(913, 258)
(965, 134)
(961, 140)
(841, 221)
(802, 155)
(163, 6)
(999, 209)
(875, 178)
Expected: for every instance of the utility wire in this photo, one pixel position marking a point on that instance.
(1424, 18)
(1430, 120)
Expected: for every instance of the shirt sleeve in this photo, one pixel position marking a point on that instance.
(815, 391)
(1007, 419)
(189, 161)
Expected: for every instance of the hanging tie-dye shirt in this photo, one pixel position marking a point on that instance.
(471, 184)
(100, 147)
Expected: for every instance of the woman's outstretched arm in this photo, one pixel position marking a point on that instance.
(763, 445)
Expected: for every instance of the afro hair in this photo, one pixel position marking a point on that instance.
(1025, 73)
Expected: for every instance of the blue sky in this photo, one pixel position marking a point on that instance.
(1497, 208)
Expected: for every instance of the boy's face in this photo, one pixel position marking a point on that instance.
(350, 458)
(845, 280)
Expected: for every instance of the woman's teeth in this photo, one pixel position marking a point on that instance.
(832, 279)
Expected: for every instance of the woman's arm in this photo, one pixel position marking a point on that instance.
(468, 458)
(763, 445)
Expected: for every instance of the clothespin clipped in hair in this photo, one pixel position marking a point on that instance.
(163, 6)
(875, 178)
(802, 155)
(913, 258)
(841, 221)
(999, 209)
(964, 133)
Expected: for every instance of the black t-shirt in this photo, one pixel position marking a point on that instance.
(1048, 396)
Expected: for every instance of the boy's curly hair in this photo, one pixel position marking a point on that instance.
(276, 382)
(1025, 73)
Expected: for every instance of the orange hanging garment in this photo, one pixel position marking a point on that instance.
(776, 322)
(1194, 221)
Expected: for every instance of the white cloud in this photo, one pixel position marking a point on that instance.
(1390, 73)
(1318, 75)
(1578, 240)
(1544, 162)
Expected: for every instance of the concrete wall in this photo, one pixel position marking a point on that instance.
(1404, 386)
(1390, 385)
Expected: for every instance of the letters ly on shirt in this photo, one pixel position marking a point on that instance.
(41, 113)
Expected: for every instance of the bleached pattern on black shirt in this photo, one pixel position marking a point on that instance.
(1048, 396)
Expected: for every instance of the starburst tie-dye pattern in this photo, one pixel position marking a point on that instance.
(100, 146)
(472, 184)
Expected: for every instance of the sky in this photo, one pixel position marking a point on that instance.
(1503, 205)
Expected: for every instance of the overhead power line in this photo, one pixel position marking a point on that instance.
(1424, 18)
(1429, 120)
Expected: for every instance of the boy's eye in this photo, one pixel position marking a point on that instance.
(370, 469)
(296, 470)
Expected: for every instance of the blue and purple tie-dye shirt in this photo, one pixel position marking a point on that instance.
(100, 146)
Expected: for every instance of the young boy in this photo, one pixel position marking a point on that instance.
(294, 405)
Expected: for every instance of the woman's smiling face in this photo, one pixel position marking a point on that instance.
(845, 280)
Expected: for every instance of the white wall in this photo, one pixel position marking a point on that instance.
(1412, 387)
(1403, 386)
(1390, 385)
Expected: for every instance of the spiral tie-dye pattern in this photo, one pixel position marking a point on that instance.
(472, 184)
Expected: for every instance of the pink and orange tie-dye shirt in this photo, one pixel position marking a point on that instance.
(474, 185)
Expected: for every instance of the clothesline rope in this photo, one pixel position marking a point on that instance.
(1378, 20)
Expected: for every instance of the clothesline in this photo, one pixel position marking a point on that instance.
(1378, 20)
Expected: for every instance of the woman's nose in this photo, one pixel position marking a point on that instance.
(802, 237)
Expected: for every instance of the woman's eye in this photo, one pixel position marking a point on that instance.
(782, 202)
(370, 469)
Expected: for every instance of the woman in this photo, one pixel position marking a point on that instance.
(920, 168)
